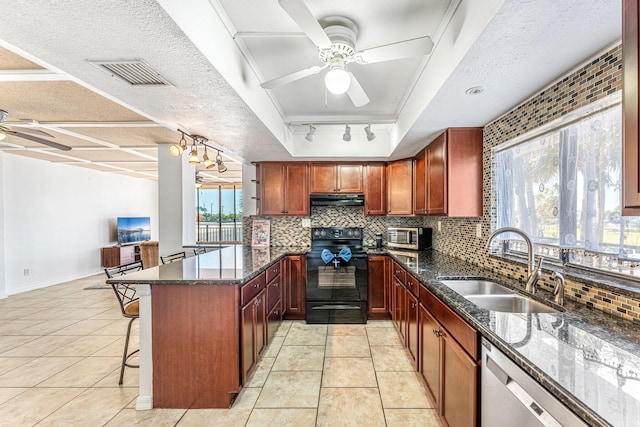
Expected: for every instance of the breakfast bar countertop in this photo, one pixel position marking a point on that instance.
(233, 264)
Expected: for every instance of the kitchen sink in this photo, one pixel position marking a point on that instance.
(510, 303)
(476, 287)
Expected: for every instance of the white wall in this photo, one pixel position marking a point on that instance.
(57, 217)
(3, 204)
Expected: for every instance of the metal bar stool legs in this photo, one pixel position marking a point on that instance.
(126, 356)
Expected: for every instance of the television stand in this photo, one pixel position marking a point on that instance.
(114, 256)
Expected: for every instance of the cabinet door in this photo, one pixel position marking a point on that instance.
(349, 178)
(420, 183)
(399, 187)
(430, 354)
(261, 323)
(272, 185)
(437, 176)
(323, 178)
(412, 327)
(377, 286)
(295, 282)
(399, 297)
(374, 189)
(274, 319)
(248, 345)
(297, 189)
(459, 385)
(630, 112)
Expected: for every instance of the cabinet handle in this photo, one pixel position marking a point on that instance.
(275, 285)
(256, 286)
(409, 284)
(282, 212)
(413, 305)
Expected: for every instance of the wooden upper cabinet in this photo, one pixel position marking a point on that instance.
(375, 189)
(454, 173)
(420, 183)
(400, 187)
(336, 178)
(284, 188)
(630, 151)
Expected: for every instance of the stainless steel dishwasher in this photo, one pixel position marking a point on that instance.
(510, 397)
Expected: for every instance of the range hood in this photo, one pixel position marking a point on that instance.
(337, 199)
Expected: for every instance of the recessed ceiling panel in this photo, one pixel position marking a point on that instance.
(131, 137)
(12, 61)
(106, 155)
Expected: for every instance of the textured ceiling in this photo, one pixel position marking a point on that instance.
(512, 48)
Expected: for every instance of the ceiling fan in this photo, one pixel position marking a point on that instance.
(30, 134)
(336, 43)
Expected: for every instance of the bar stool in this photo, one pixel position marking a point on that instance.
(173, 257)
(129, 305)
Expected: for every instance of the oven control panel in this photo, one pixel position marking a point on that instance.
(332, 233)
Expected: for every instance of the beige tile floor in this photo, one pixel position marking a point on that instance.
(60, 350)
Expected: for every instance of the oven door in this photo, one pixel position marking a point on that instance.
(336, 292)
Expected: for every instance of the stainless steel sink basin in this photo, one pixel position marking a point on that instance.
(510, 303)
(476, 287)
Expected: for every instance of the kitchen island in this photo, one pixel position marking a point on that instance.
(193, 333)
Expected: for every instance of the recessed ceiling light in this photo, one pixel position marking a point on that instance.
(476, 90)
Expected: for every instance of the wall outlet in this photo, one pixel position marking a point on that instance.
(26, 272)
(306, 222)
(439, 225)
(479, 230)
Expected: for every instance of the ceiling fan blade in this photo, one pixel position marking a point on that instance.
(288, 78)
(300, 13)
(35, 132)
(356, 93)
(39, 140)
(405, 49)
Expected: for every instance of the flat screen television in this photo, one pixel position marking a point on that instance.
(133, 229)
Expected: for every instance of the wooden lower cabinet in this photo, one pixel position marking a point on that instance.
(412, 326)
(399, 306)
(378, 287)
(430, 353)
(459, 405)
(253, 321)
(294, 286)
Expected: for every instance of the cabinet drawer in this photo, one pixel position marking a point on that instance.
(412, 284)
(274, 292)
(251, 289)
(399, 272)
(459, 329)
(273, 271)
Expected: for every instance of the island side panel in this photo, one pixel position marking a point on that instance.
(195, 332)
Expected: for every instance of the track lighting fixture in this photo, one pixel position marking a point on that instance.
(370, 135)
(312, 131)
(347, 133)
(176, 150)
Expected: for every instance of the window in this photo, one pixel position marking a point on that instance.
(562, 185)
(219, 214)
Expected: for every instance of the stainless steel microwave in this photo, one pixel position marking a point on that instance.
(414, 238)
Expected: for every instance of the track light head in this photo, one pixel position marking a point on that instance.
(193, 155)
(370, 135)
(312, 131)
(220, 163)
(347, 133)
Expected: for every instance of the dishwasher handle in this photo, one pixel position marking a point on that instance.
(521, 394)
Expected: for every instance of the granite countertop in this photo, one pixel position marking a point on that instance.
(588, 359)
(234, 264)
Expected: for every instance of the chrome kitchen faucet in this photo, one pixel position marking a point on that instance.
(533, 274)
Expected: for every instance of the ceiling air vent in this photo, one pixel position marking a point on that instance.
(136, 72)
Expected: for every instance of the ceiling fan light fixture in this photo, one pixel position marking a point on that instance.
(347, 133)
(337, 80)
(312, 131)
(370, 135)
